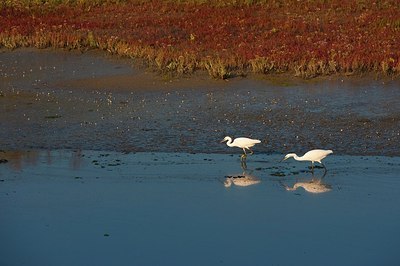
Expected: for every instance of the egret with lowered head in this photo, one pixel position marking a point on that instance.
(312, 156)
(243, 143)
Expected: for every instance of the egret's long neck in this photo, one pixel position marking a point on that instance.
(292, 188)
(229, 142)
(296, 186)
(297, 158)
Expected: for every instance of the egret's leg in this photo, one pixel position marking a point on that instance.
(244, 155)
(324, 173)
(324, 166)
(243, 164)
(251, 152)
(312, 167)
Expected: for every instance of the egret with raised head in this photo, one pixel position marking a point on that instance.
(243, 143)
(312, 156)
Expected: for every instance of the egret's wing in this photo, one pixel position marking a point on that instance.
(246, 141)
(315, 188)
(315, 155)
(244, 182)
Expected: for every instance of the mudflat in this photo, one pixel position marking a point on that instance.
(59, 100)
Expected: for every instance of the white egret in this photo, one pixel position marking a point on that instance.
(312, 156)
(243, 143)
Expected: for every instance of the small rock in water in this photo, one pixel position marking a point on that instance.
(3, 161)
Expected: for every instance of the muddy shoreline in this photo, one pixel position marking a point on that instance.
(66, 100)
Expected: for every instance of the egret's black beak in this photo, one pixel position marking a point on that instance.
(282, 159)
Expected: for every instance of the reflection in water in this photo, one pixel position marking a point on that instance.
(243, 164)
(76, 159)
(242, 180)
(18, 160)
(315, 185)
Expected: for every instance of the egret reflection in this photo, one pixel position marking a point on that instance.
(315, 185)
(244, 179)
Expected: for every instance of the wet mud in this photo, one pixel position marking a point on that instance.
(66, 100)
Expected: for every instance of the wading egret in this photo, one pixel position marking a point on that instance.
(312, 156)
(243, 143)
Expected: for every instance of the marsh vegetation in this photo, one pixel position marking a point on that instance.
(224, 38)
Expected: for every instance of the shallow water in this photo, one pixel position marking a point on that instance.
(102, 208)
(52, 100)
(104, 164)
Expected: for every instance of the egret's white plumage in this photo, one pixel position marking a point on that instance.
(312, 156)
(243, 143)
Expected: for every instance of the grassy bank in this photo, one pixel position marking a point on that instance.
(226, 38)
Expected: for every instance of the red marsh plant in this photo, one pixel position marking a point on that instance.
(225, 38)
